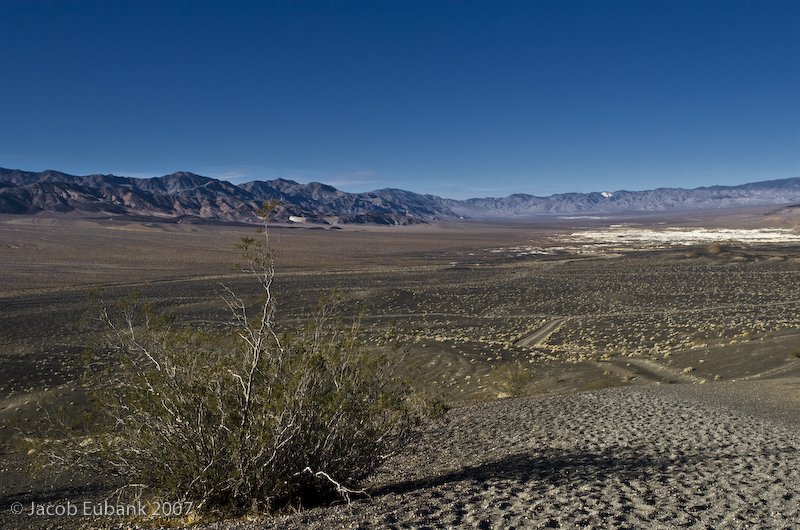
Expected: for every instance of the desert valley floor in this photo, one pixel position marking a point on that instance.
(631, 373)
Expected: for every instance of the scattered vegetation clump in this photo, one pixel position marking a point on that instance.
(250, 419)
(513, 379)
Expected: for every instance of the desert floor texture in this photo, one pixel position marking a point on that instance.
(629, 373)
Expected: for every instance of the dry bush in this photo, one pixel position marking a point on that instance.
(242, 420)
(513, 379)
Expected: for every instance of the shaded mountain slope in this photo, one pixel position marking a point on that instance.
(783, 191)
(185, 194)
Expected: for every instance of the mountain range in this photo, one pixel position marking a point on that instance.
(187, 196)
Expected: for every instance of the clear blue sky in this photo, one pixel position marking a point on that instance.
(456, 98)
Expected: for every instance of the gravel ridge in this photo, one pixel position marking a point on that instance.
(635, 457)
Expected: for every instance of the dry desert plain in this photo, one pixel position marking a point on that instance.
(636, 372)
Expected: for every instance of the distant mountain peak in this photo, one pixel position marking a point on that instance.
(184, 193)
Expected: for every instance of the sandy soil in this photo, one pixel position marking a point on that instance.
(718, 455)
(680, 456)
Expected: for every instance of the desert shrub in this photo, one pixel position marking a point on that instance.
(513, 379)
(240, 419)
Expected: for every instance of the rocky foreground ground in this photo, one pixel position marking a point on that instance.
(717, 455)
(677, 456)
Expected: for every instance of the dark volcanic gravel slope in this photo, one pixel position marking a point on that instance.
(678, 456)
(641, 457)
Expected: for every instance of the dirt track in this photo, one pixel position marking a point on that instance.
(540, 334)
